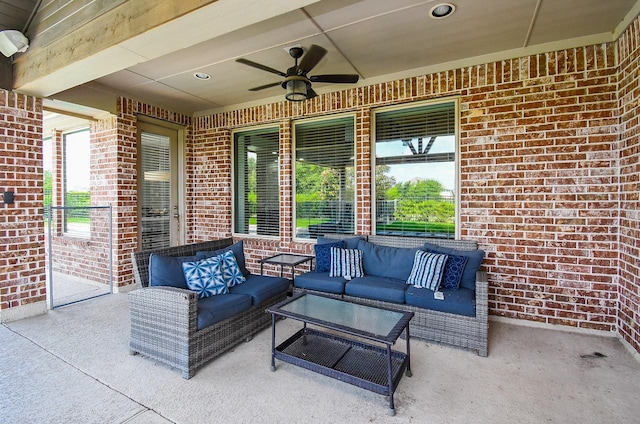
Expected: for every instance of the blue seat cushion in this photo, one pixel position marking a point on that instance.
(261, 287)
(385, 261)
(218, 308)
(320, 281)
(468, 279)
(460, 302)
(238, 251)
(167, 270)
(377, 288)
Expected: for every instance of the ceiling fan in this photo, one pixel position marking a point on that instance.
(296, 81)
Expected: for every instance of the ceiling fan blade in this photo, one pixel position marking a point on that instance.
(260, 66)
(335, 78)
(311, 58)
(262, 87)
(311, 93)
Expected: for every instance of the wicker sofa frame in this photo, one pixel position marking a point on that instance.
(164, 319)
(441, 327)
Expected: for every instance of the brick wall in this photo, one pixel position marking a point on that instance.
(22, 268)
(539, 176)
(629, 268)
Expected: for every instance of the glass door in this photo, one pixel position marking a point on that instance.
(158, 203)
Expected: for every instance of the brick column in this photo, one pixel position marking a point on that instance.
(22, 255)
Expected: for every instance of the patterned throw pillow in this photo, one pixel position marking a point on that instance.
(323, 255)
(452, 270)
(230, 270)
(346, 263)
(427, 270)
(205, 277)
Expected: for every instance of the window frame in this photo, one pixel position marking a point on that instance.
(234, 132)
(294, 159)
(456, 190)
(82, 234)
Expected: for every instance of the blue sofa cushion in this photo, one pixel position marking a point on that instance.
(205, 277)
(427, 270)
(346, 263)
(349, 243)
(323, 255)
(167, 270)
(460, 302)
(473, 263)
(238, 251)
(453, 270)
(384, 261)
(218, 308)
(320, 281)
(377, 288)
(230, 270)
(261, 287)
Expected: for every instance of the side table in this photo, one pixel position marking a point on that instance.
(286, 259)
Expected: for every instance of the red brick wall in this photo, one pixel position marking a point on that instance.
(539, 180)
(22, 268)
(629, 268)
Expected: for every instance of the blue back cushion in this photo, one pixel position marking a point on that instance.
(167, 270)
(473, 263)
(383, 261)
(323, 254)
(238, 251)
(349, 243)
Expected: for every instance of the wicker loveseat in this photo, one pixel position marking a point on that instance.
(165, 322)
(464, 325)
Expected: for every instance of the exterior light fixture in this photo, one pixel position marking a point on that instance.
(12, 41)
(442, 10)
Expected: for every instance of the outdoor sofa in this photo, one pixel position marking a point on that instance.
(459, 319)
(171, 324)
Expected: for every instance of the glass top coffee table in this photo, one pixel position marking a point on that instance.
(373, 367)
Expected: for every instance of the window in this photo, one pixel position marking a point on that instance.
(76, 176)
(256, 182)
(324, 177)
(415, 170)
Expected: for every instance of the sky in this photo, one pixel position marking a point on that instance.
(78, 160)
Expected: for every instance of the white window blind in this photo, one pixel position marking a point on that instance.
(155, 190)
(415, 154)
(257, 182)
(325, 177)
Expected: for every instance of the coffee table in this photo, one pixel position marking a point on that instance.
(373, 367)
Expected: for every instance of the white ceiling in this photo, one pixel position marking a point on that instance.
(377, 39)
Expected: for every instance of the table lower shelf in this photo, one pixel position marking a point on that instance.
(353, 362)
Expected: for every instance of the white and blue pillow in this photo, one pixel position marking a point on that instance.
(205, 277)
(230, 269)
(346, 263)
(427, 270)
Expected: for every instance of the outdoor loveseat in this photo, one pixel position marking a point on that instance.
(459, 317)
(171, 324)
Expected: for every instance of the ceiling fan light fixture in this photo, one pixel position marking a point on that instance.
(442, 10)
(296, 90)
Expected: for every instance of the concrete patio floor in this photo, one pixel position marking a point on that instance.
(72, 365)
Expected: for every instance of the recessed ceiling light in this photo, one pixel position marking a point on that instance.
(441, 10)
(202, 76)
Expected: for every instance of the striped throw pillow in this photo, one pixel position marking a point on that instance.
(427, 270)
(346, 263)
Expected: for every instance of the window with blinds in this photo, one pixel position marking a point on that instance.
(76, 160)
(256, 182)
(324, 177)
(415, 170)
(155, 190)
